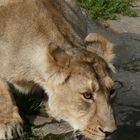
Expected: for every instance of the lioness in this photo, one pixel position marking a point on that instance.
(37, 47)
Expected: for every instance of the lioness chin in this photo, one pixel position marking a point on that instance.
(37, 47)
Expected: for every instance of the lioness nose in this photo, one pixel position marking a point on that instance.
(107, 133)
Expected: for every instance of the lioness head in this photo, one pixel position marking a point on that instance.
(80, 89)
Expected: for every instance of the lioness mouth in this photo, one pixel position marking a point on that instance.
(79, 136)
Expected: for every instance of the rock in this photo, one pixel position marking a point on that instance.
(47, 125)
(74, 16)
(39, 120)
(52, 128)
(136, 6)
(125, 25)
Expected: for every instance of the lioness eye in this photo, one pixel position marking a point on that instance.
(88, 95)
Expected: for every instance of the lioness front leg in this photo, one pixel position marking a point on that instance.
(10, 120)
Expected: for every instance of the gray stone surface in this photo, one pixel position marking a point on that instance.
(125, 24)
(47, 125)
(136, 6)
(74, 16)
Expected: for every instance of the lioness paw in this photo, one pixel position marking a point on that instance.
(10, 130)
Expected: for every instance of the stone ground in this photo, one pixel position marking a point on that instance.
(125, 34)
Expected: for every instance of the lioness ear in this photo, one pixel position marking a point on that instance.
(58, 62)
(57, 56)
(99, 45)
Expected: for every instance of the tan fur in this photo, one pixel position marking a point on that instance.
(37, 47)
(9, 117)
(100, 45)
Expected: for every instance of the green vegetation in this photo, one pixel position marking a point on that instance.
(27, 135)
(106, 9)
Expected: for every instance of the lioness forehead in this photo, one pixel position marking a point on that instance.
(92, 77)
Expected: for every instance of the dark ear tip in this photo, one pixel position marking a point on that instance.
(57, 55)
(51, 47)
(88, 43)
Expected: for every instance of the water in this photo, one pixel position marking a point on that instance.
(127, 133)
